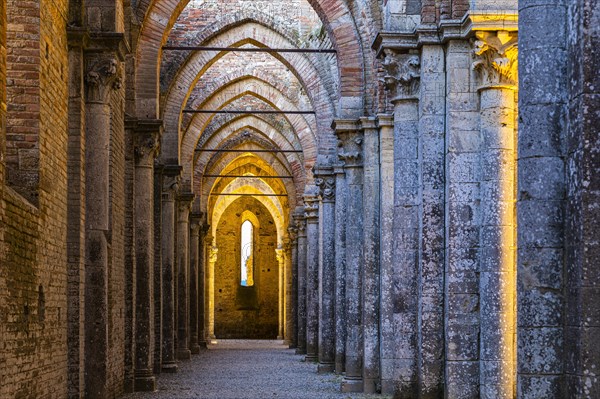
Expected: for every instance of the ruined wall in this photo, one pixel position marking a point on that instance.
(33, 267)
(261, 317)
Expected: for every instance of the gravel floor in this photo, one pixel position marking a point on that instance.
(244, 369)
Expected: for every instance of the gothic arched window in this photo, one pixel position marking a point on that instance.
(247, 260)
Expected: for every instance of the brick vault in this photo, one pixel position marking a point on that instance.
(404, 191)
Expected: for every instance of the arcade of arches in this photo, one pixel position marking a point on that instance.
(414, 206)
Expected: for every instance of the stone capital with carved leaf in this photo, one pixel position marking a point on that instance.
(495, 54)
(102, 76)
(212, 255)
(350, 148)
(147, 145)
(402, 74)
(326, 185)
(311, 208)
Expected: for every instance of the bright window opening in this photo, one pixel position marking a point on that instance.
(247, 261)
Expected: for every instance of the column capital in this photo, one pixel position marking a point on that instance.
(300, 224)
(147, 145)
(326, 184)
(103, 74)
(311, 207)
(350, 147)
(185, 202)
(280, 255)
(496, 63)
(212, 255)
(402, 74)
(196, 224)
(293, 231)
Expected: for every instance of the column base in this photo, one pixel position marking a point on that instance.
(170, 367)
(325, 368)
(195, 349)
(145, 383)
(311, 358)
(280, 337)
(370, 385)
(300, 351)
(351, 385)
(184, 354)
(203, 344)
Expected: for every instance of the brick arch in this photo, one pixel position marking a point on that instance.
(261, 91)
(160, 16)
(204, 92)
(202, 61)
(223, 24)
(211, 163)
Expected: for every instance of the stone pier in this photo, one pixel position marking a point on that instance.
(146, 147)
(325, 181)
(184, 203)
(170, 188)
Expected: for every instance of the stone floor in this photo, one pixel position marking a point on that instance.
(243, 369)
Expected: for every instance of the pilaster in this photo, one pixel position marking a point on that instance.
(325, 182)
(311, 213)
(371, 260)
(195, 226)
(301, 224)
(496, 67)
(170, 189)
(350, 140)
(146, 148)
(184, 204)
(341, 190)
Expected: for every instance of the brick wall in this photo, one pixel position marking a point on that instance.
(261, 321)
(33, 273)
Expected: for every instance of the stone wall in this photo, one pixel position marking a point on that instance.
(246, 312)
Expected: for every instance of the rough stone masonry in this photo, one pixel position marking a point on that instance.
(422, 179)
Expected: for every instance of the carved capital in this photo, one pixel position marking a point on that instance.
(495, 56)
(301, 226)
(293, 231)
(280, 255)
(212, 255)
(311, 208)
(102, 76)
(350, 148)
(326, 188)
(147, 145)
(402, 74)
(170, 187)
(184, 203)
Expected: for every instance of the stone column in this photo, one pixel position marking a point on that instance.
(371, 278)
(146, 147)
(293, 234)
(157, 272)
(402, 80)
(325, 181)
(350, 151)
(340, 268)
(290, 293)
(280, 256)
(431, 150)
(194, 265)
(462, 210)
(496, 66)
(210, 290)
(387, 261)
(101, 78)
(301, 223)
(311, 208)
(202, 268)
(184, 202)
(170, 188)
